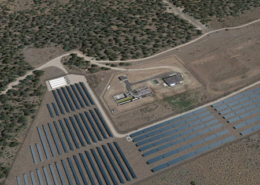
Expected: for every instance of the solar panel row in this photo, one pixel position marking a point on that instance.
(175, 131)
(58, 101)
(87, 93)
(82, 95)
(172, 126)
(192, 154)
(50, 111)
(55, 109)
(234, 119)
(239, 106)
(63, 101)
(86, 170)
(235, 97)
(167, 122)
(185, 147)
(255, 128)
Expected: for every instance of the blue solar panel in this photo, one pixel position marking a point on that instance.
(221, 107)
(215, 126)
(25, 179)
(94, 168)
(60, 137)
(82, 129)
(225, 111)
(67, 98)
(107, 166)
(46, 175)
(55, 139)
(33, 179)
(198, 127)
(160, 167)
(58, 101)
(50, 111)
(185, 116)
(240, 111)
(210, 138)
(80, 170)
(217, 104)
(82, 94)
(249, 108)
(246, 131)
(213, 145)
(207, 118)
(100, 166)
(87, 127)
(149, 153)
(256, 127)
(66, 135)
(87, 93)
(39, 152)
(156, 132)
(48, 139)
(187, 156)
(191, 119)
(73, 171)
(18, 181)
(203, 132)
(72, 97)
(182, 128)
(71, 133)
(211, 122)
(234, 119)
(53, 175)
(39, 176)
(195, 123)
(33, 155)
(200, 110)
(155, 159)
(43, 143)
(98, 124)
(77, 95)
(204, 114)
(86, 168)
(103, 122)
(228, 139)
(222, 133)
(63, 101)
(138, 133)
(66, 172)
(240, 125)
(197, 142)
(163, 147)
(125, 160)
(140, 138)
(60, 173)
(204, 149)
(168, 154)
(55, 109)
(186, 132)
(77, 131)
(93, 126)
(185, 147)
(174, 161)
(229, 115)
(113, 164)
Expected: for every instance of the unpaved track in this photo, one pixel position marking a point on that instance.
(56, 62)
(191, 20)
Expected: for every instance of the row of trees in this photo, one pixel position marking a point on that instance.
(204, 10)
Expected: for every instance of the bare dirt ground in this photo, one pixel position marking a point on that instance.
(39, 56)
(235, 164)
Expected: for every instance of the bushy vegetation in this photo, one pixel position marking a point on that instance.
(204, 10)
(17, 109)
(105, 29)
(75, 61)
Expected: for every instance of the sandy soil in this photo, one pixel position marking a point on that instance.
(39, 56)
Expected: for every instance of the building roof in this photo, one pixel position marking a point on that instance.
(173, 80)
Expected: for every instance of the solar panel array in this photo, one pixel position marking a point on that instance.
(69, 99)
(175, 137)
(69, 133)
(103, 165)
(240, 107)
